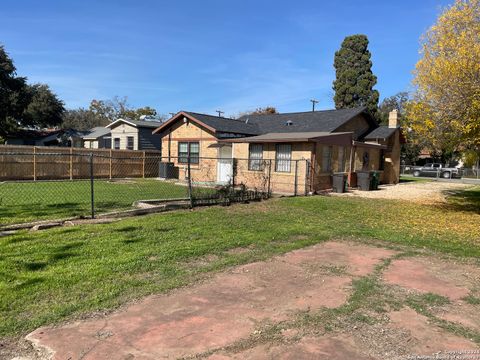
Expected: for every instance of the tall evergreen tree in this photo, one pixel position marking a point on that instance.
(354, 78)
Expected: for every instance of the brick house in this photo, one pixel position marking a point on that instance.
(305, 147)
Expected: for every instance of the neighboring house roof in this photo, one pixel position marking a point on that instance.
(136, 123)
(301, 122)
(33, 133)
(96, 132)
(382, 132)
(316, 121)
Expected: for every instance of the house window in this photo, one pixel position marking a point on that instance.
(341, 159)
(327, 159)
(188, 148)
(365, 160)
(255, 157)
(116, 143)
(130, 140)
(283, 156)
(381, 165)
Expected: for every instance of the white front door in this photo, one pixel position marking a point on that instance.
(224, 165)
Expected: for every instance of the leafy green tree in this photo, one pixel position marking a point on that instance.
(118, 107)
(354, 81)
(82, 119)
(12, 94)
(44, 108)
(397, 101)
(22, 104)
(136, 113)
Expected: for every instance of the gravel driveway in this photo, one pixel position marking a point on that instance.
(423, 192)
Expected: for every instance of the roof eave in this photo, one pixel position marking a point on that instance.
(176, 117)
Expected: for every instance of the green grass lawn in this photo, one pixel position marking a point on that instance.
(57, 274)
(30, 201)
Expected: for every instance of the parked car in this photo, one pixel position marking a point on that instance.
(436, 170)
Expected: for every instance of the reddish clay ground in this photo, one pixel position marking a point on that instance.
(232, 314)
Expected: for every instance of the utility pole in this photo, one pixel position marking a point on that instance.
(220, 113)
(171, 114)
(313, 101)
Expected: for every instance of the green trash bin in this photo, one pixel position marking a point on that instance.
(374, 180)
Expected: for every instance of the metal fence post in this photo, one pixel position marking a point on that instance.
(269, 190)
(189, 174)
(34, 163)
(307, 176)
(295, 191)
(71, 163)
(92, 197)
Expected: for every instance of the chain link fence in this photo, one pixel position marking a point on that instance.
(51, 185)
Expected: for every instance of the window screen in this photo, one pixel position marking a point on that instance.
(341, 159)
(116, 143)
(255, 157)
(327, 159)
(283, 156)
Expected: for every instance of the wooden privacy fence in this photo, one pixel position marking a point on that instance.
(58, 163)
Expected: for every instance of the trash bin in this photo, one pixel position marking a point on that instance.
(364, 179)
(167, 170)
(375, 180)
(339, 182)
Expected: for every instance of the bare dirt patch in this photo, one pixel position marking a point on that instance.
(429, 275)
(327, 301)
(426, 339)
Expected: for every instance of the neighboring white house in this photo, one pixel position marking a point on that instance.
(97, 138)
(134, 135)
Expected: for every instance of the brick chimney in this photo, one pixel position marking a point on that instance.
(393, 118)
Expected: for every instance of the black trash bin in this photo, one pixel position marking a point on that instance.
(339, 182)
(364, 179)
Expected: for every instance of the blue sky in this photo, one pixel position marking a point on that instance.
(233, 55)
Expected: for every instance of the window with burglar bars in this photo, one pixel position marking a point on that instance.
(283, 157)
(188, 148)
(255, 157)
(327, 159)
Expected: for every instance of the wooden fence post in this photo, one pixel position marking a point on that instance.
(110, 171)
(71, 163)
(143, 165)
(34, 163)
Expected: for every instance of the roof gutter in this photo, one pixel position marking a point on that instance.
(368, 145)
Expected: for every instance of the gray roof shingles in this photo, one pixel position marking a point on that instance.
(318, 121)
(222, 124)
(97, 132)
(382, 132)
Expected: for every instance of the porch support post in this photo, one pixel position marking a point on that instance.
(351, 167)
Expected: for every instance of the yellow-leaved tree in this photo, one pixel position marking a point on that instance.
(445, 109)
